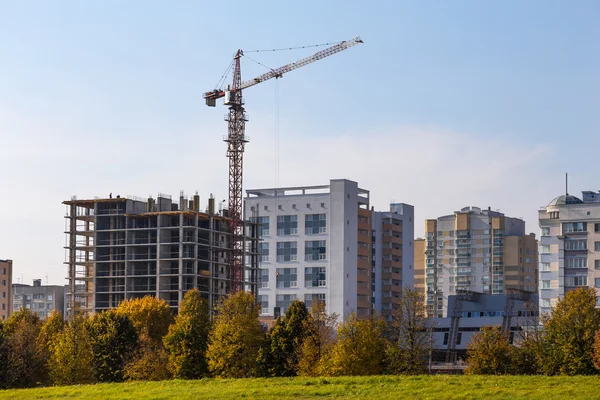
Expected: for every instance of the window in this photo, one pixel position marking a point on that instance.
(315, 250)
(545, 231)
(4, 306)
(527, 260)
(578, 244)
(576, 262)
(574, 227)
(451, 233)
(50, 297)
(263, 228)
(486, 241)
(263, 251)
(545, 284)
(446, 335)
(287, 278)
(3, 282)
(309, 298)
(596, 246)
(264, 278)
(544, 248)
(315, 277)
(576, 281)
(315, 223)
(545, 266)
(283, 301)
(545, 302)
(596, 227)
(286, 251)
(597, 282)
(264, 303)
(287, 225)
(596, 264)
(4, 271)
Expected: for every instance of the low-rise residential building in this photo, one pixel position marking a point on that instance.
(40, 299)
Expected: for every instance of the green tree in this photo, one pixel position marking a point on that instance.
(150, 316)
(187, 339)
(320, 339)
(285, 341)
(360, 348)
(409, 334)
(3, 359)
(236, 338)
(72, 359)
(113, 339)
(570, 331)
(25, 362)
(489, 352)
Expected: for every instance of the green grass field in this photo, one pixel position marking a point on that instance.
(379, 387)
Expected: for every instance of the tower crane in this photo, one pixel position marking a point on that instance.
(236, 139)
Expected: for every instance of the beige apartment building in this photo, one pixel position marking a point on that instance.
(5, 288)
(475, 250)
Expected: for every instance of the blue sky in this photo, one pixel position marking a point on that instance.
(447, 104)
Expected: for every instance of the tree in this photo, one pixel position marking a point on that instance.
(529, 343)
(150, 316)
(489, 352)
(25, 362)
(113, 340)
(236, 337)
(319, 340)
(360, 348)
(187, 340)
(409, 334)
(72, 359)
(570, 331)
(52, 326)
(285, 339)
(150, 363)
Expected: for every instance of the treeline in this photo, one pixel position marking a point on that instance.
(141, 340)
(566, 343)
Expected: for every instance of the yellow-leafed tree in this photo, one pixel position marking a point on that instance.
(236, 338)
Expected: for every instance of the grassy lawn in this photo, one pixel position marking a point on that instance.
(378, 387)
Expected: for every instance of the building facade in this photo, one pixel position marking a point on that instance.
(393, 234)
(40, 299)
(514, 313)
(6, 271)
(476, 250)
(569, 246)
(325, 243)
(124, 248)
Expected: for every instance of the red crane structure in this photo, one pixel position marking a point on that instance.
(236, 140)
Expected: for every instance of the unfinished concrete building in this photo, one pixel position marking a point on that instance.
(124, 248)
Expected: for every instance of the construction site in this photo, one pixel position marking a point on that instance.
(126, 248)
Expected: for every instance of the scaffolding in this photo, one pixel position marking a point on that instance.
(125, 248)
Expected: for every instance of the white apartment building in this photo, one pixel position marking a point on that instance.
(312, 238)
(569, 246)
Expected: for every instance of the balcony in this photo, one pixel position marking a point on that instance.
(391, 239)
(392, 252)
(392, 275)
(392, 228)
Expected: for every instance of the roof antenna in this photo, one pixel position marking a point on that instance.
(566, 183)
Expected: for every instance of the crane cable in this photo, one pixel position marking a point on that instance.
(292, 48)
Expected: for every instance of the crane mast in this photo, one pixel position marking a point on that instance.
(236, 140)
